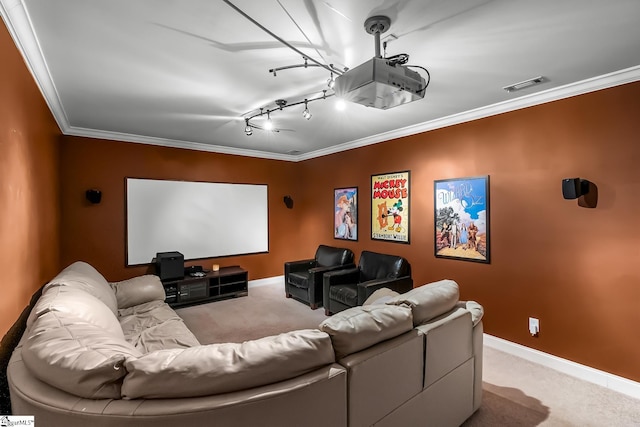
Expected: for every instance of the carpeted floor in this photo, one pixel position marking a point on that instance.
(516, 392)
(264, 312)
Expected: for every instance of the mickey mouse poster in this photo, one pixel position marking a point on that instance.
(390, 207)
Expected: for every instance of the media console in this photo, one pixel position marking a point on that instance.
(224, 283)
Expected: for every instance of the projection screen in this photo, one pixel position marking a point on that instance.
(197, 219)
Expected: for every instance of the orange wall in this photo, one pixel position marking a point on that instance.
(96, 233)
(29, 187)
(574, 268)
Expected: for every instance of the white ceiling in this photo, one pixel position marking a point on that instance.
(183, 73)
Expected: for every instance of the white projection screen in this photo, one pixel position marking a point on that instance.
(197, 219)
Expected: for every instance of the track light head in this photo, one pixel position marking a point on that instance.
(247, 130)
(306, 114)
(331, 82)
(269, 124)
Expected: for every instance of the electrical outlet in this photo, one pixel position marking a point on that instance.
(534, 326)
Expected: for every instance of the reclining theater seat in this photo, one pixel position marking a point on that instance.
(413, 359)
(348, 288)
(303, 279)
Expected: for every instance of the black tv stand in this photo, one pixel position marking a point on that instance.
(228, 282)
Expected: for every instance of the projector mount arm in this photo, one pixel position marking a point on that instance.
(377, 25)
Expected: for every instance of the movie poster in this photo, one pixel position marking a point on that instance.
(345, 213)
(390, 207)
(462, 218)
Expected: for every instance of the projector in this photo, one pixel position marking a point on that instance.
(380, 84)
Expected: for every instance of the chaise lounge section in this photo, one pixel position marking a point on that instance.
(103, 354)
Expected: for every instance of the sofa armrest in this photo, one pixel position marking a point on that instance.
(400, 285)
(300, 265)
(476, 310)
(138, 290)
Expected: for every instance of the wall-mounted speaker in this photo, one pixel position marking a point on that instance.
(288, 201)
(572, 188)
(94, 196)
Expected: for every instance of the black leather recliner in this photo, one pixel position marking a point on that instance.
(303, 279)
(350, 288)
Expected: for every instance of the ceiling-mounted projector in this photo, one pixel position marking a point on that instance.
(380, 82)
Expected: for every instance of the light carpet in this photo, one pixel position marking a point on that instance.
(264, 312)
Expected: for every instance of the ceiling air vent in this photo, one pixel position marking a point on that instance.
(525, 84)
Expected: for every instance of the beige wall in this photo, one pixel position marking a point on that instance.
(573, 268)
(29, 188)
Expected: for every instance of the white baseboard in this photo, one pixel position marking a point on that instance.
(586, 373)
(266, 281)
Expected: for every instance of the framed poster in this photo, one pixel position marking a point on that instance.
(390, 207)
(462, 218)
(345, 202)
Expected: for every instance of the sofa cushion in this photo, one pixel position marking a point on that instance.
(223, 368)
(155, 326)
(77, 303)
(429, 301)
(358, 328)
(380, 296)
(138, 290)
(81, 275)
(76, 356)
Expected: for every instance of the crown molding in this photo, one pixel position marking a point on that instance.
(172, 143)
(20, 27)
(616, 78)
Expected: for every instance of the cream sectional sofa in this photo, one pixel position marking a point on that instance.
(114, 354)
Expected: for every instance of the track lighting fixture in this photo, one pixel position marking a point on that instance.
(269, 124)
(281, 104)
(331, 82)
(306, 114)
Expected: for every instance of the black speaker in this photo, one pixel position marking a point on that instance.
(288, 201)
(572, 188)
(94, 196)
(169, 265)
